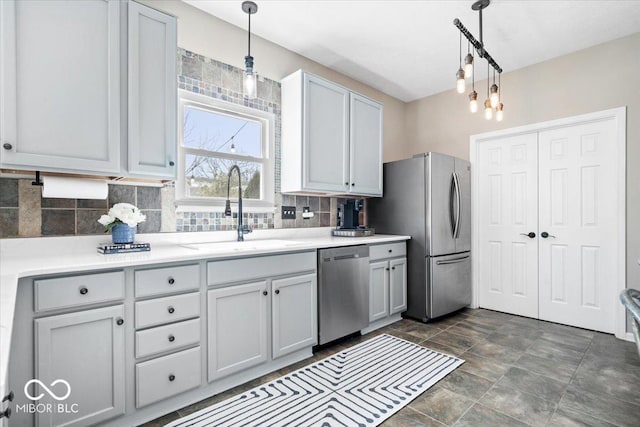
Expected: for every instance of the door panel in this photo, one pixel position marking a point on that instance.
(440, 239)
(365, 157)
(508, 264)
(450, 278)
(577, 192)
(378, 290)
(398, 286)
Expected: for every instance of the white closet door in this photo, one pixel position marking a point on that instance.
(508, 209)
(578, 199)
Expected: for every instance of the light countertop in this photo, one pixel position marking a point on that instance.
(21, 258)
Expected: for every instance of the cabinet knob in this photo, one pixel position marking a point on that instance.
(171, 280)
(83, 291)
(277, 291)
(390, 250)
(346, 183)
(6, 413)
(9, 397)
(172, 377)
(265, 293)
(172, 163)
(7, 146)
(393, 268)
(387, 268)
(172, 338)
(120, 321)
(171, 310)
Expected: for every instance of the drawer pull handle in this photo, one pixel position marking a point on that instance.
(9, 397)
(171, 280)
(277, 291)
(265, 293)
(6, 413)
(84, 291)
(172, 377)
(120, 321)
(172, 338)
(390, 250)
(171, 310)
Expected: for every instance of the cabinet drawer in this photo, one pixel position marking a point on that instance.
(166, 338)
(166, 280)
(166, 310)
(166, 376)
(235, 270)
(387, 250)
(73, 291)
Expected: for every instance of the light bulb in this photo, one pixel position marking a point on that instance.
(249, 81)
(488, 112)
(233, 148)
(495, 99)
(460, 85)
(468, 66)
(499, 113)
(473, 101)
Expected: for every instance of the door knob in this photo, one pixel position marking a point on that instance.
(530, 234)
(544, 235)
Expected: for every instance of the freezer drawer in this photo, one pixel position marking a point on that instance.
(449, 283)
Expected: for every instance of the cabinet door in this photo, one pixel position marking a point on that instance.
(365, 156)
(397, 285)
(326, 136)
(152, 92)
(294, 314)
(378, 290)
(237, 320)
(60, 91)
(86, 350)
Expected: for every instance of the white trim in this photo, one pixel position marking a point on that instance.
(627, 337)
(186, 98)
(617, 114)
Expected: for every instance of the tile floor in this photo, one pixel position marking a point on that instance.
(518, 372)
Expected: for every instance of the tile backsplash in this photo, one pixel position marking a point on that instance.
(25, 213)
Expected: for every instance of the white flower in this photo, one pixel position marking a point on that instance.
(106, 220)
(123, 212)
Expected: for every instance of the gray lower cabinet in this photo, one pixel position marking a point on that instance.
(387, 282)
(82, 354)
(397, 285)
(237, 328)
(378, 290)
(294, 314)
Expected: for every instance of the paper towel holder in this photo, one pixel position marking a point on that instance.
(37, 181)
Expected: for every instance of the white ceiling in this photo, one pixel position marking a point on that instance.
(409, 49)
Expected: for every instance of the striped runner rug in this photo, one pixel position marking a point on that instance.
(360, 386)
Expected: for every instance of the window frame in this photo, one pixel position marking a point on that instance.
(188, 99)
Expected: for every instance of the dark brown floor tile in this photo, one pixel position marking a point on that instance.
(58, 222)
(547, 366)
(443, 348)
(449, 338)
(520, 330)
(609, 347)
(496, 352)
(466, 384)
(405, 336)
(537, 385)
(574, 342)
(446, 322)
(557, 328)
(441, 404)
(8, 193)
(404, 324)
(480, 415)
(566, 418)
(516, 342)
(422, 330)
(466, 329)
(483, 367)
(554, 351)
(615, 379)
(162, 421)
(600, 406)
(486, 324)
(521, 406)
(9, 226)
(408, 417)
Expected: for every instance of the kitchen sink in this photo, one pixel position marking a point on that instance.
(247, 245)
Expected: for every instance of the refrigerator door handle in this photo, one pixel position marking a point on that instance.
(452, 261)
(452, 217)
(456, 183)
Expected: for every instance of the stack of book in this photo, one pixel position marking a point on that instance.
(121, 248)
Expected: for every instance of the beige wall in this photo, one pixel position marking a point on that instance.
(601, 77)
(209, 36)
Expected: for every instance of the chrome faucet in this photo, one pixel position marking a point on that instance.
(242, 230)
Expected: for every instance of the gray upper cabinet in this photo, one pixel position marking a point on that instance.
(61, 85)
(76, 347)
(88, 87)
(331, 138)
(152, 93)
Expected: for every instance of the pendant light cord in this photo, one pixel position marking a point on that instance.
(460, 51)
(249, 36)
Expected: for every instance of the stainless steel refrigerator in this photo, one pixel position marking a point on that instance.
(428, 198)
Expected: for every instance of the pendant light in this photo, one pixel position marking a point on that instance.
(460, 85)
(468, 63)
(499, 113)
(494, 92)
(473, 96)
(250, 84)
(488, 112)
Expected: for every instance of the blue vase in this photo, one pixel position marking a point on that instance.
(122, 233)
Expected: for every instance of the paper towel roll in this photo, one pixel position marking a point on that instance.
(74, 188)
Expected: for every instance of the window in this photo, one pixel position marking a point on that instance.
(215, 135)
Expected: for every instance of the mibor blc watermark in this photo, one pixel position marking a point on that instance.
(48, 408)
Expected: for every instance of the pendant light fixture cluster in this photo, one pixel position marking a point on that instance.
(493, 100)
(250, 83)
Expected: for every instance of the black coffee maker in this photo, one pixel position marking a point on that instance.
(349, 214)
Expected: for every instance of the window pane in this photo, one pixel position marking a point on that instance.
(213, 131)
(207, 177)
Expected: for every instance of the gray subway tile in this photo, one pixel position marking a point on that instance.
(88, 222)
(58, 222)
(121, 194)
(148, 198)
(152, 223)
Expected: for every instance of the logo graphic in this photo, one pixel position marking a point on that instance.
(47, 389)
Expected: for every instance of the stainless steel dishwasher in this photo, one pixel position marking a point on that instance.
(343, 291)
